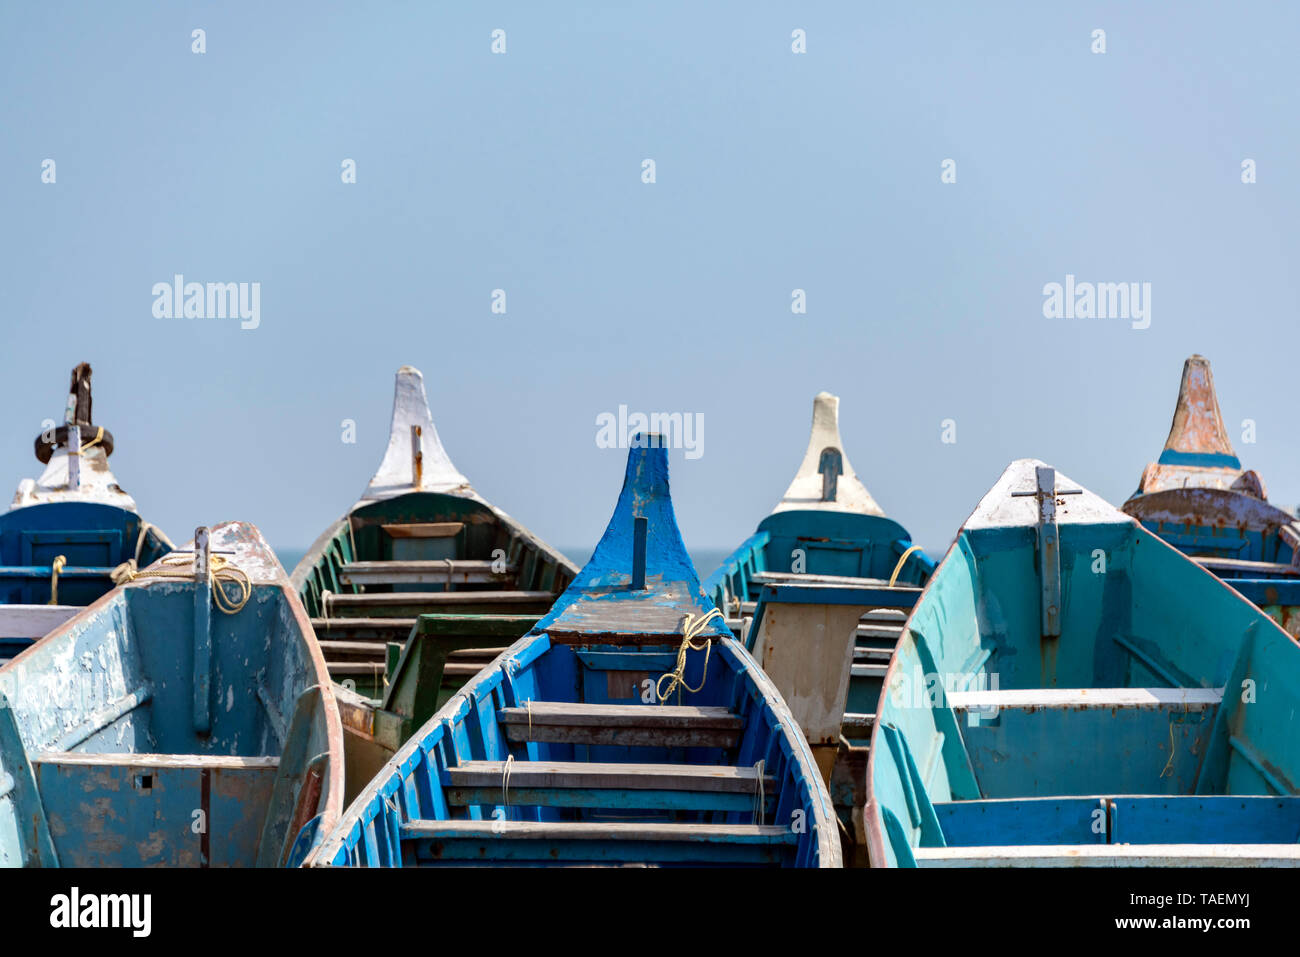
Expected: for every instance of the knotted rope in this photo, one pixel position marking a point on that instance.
(901, 562)
(223, 574)
(677, 677)
(93, 442)
(59, 562)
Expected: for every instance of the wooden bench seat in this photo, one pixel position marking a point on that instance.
(606, 785)
(509, 842)
(616, 724)
(451, 571)
(412, 598)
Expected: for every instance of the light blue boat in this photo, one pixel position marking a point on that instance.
(184, 719)
(67, 531)
(1199, 499)
(818, 594)
(1073, 691)
(560, 752)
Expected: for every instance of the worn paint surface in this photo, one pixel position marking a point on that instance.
(103, 712)
(1198, 498)
(408, 815)
(1149, 667)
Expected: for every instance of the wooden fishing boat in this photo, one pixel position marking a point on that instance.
(1071, 690)
(627, 727)
(417, 587)
(819, 594)
(183, 719)
(1199, 499)
(66, 532)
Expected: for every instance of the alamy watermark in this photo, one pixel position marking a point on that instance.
(1101, 300)
(179, 299)
(670, 430)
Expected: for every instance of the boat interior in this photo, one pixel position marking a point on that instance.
(1127, 726)
(426, 553)
(91, 538)
(153, 729)
(559, 753)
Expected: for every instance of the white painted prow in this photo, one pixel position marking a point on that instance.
(96, 481)
(1012, 501)
(397, 472)
(805, 492)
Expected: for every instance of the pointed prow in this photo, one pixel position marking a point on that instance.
(415, 460)
(1197, 435)
(1198, 452)
(75, 455)
(826, 479)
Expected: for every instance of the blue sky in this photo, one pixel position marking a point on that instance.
(522, 171)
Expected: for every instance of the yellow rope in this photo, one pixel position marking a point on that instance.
(677, 677)
(505, 780)
(901, 562)
(93, 442)
(59, 562)
(178, 566)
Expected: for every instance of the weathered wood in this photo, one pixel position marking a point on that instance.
(424, 572)
(628, 725)
(1242, 565)
(379, 630)
(33, 621)
(440, 598)
(424, 529)
(590, 774)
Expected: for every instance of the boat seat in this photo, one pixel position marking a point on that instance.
(585, 784)
(875, 670)
(33, 621)
(378, 630)
(804, 578)
(435, 572)
(404, 598)
(620, 724)
(858, 724)
(144, 760)
(423, 529)
(1112, 855)
(513, 842)
(1162, 733)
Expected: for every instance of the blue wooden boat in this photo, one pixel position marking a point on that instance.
(417, 587)
(68, 531)
(1073, 691)
(1199, 499)
(818, 594)
(577, 746)
(183, 719)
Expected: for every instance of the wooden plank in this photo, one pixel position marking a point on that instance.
(512, 842)
(656, 726)
(504, 626)
(590, 774)
(1241, 565)
(363, 629)
(441, 598)
(801, 578)
(1112, 855)
(620, 715)
(647, 799)
(602, 831)
(424, 530)
(1075, 698)
(33, 621)
(857, 725)
(424, 572)
(142, 760)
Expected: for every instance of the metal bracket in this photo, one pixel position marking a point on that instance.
(1049, 550)
(831, 467)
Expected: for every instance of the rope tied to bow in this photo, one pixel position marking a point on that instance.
(677, 677)
(223, 574)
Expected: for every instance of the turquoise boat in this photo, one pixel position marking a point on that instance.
(1071, 690)
(185, 719)
(417, 587)
(819, 594)
(1199, 499)
(68, 531)
(627, 727)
